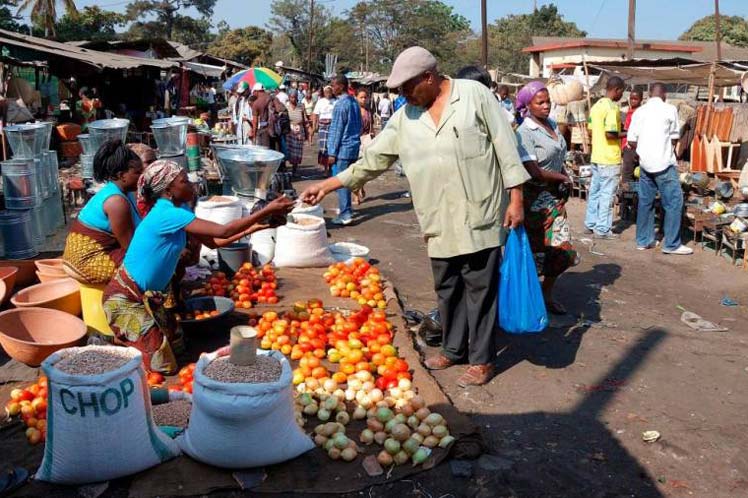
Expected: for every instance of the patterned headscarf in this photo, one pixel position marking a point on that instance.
(154, 180)
(526, 94)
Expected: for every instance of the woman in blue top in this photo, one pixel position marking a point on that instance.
(136, 301)
(100, 236)
(545, 195)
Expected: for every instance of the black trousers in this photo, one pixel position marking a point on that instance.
(467, 288)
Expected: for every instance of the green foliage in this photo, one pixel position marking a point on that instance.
(249, 46)
(92, 23)
(291, 18)
(7, 20)
(162, 19)
(734, 30)
(44, 12)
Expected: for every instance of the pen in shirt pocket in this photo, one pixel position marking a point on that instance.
(457, 135)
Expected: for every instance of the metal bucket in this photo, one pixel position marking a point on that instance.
(52, 170)
(181, 160)
(42, 176)
(46, 135)
(26, 140)
(103, 130)
(87, 169)
(170, 135)
(38, 228)
(86, 145)
(20, 184)
(16, 234)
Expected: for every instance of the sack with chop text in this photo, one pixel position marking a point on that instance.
(302, 243)
(243, 425)
(100, 426)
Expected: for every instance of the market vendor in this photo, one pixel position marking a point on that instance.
(135, 301)
(101, 234)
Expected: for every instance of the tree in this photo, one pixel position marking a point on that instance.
(508, 35)
(92, 23)
(44, 12)
(249, 46)
(390, 26)
(734, 30)
(7, 19)
(161, 18)
(292, 19)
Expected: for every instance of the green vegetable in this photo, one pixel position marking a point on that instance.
(392, 446)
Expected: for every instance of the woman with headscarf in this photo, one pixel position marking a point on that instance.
(88, 106)
(101, 234)
(136, 301)
(545, 195)
(295, 140)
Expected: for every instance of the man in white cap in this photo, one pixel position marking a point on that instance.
(282, 94)
(460, 156)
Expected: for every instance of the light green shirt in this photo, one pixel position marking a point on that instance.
(458, 170)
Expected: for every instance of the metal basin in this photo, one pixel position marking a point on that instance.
(103, 130)
(249, 168)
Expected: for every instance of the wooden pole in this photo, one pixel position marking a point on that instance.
(585, 136)
(484, 34)
(718, 37)
(311, 36)
(632, 29)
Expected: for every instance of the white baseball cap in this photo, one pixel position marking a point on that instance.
(258, 87)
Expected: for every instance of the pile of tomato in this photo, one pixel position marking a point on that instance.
(184, 379)
(31, 405)
(359, 281)
(248, 287)
(350, 343)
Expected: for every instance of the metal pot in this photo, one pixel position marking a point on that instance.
(724, 190)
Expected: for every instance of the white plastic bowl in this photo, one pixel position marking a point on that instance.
(346, 251)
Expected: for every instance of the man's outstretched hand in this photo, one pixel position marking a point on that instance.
(313, 194)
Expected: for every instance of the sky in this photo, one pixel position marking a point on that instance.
(655, 19)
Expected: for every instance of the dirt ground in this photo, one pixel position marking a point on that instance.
(565, 414)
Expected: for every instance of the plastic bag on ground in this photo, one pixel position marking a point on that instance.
(521, 305)
(243, 425)
(100, 427)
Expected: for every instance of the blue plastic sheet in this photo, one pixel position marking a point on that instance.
(521, 306)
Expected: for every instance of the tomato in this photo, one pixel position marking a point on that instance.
(155, 378)
(381, 383)
(26, 395)
(187, 387)
(401, 365)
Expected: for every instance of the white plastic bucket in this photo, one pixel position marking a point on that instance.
(263, 244)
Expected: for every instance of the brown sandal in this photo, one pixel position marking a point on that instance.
(476, 375)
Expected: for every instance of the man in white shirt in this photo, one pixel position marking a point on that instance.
(653, 134)
(282, 95)
(385, 109)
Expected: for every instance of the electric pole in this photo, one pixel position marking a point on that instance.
(632, 29)
(718, 33)
(311, 36)
(484, 34)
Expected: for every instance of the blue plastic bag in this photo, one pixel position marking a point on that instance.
(521, 305)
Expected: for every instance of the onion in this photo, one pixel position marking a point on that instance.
(409, 394)
(421, 455)
(367, 386)
(350, 394)
(424, 430)
(371, 412)
(348, 454)
(365, 401)
(359, 413)
(389, 425)
(401, 457)
(330, 403)
(354, 384)
(434, 419)
(339, 393)
(341, 407)
(417, 402)
(385, 415)
(334, 453)
(401, 418)
(301, 388)
(343, 418)
(339, 427)
(312, 383)
(413, 422)
(404, 384)
(392, 446)
(306, 399)
(329, 444)
(417, 437)
(363, 375)
(320, 440)
(340, 440)
(380, 437)
(431, 441)
(329, 429)
(406, 409)
(400, 432)
(311, 408)
(376, 395)
(446, 441)
(411, 446)
(367, 436)
(422, 412)
(440, 431)
(384, 459)
(329, 385)
(396, 392)
(382, 404)
(319, 429)
(390, 401)
(375, 425)
(323, 414)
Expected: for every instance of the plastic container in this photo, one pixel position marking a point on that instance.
(17, 234)
(92, 303)
(20, 185)
(26, 140)
(347, 251)
(104, 130)
(170, 135)
(232, 257)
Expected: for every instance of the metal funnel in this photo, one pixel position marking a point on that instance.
(248, 167)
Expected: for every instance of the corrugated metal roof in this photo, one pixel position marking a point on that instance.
(70, 51)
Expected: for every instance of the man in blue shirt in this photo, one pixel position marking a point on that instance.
(343, 142)
(399, 101)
